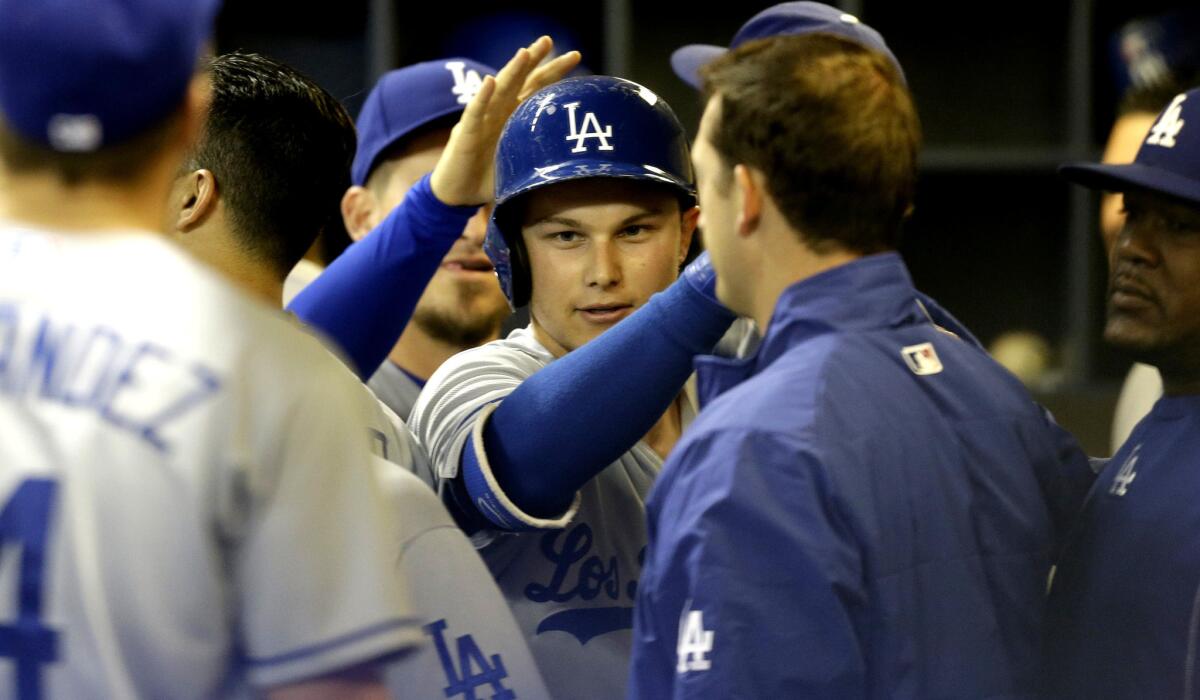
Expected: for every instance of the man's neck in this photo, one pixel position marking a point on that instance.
(667, 431)
(1176, 385)
(420, 354)
(221, 252)
(43, 201)
(779, 273)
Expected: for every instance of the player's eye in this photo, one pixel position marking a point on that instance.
(1181, 226)
(564, 236)
(635, 230)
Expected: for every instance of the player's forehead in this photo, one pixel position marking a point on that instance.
(417, 152)
(702, 150)
(1146, 202)
(710, 116)
(597, 199)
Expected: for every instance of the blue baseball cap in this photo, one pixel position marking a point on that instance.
(1155, 50)
(1168, 161)
(407, 99)
(784, 18)
(78, 75)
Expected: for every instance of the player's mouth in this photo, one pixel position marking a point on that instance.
(1128, 293)
(605, 313)
(469, 265)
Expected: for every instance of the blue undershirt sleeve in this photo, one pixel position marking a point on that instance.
(570, 420)
(365, 298)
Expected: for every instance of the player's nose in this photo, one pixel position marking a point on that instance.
(604, 264)
(476, 227)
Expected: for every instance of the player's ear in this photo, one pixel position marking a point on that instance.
(748, 197)
(687, 229)
(198, 199)
(358, 211)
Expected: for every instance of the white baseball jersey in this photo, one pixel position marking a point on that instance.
(395, 388)
(180, 516)
(300, 277)
(572, 590)
(473, 645)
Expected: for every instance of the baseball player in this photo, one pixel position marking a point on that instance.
(798, 18)
(547, 442)
(403, 129)
(1123, 619)
(170, 529)
(251, 205)
(860, 510)
(786, 18)
(365, 300)
(1154, 59)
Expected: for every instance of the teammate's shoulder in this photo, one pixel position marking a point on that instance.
(519, 354)
(418, 508)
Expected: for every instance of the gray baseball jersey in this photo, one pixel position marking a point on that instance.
(571, 589)
(395, 388)
(190, 518)
(473, 645)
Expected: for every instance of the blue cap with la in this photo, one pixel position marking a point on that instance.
(1168, 161)
(409, 98)
(79, 75)
(781, 19)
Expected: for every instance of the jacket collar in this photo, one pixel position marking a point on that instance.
(869, 293)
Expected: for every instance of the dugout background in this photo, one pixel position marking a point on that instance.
(1006, 91)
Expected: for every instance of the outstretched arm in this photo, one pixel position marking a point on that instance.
(366, 297)
(570, 420)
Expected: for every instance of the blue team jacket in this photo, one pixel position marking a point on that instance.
(862, 509)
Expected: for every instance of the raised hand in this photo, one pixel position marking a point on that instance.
(463, 175)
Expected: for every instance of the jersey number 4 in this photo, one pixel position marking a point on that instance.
(25, 521)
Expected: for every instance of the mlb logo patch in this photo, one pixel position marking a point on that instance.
(922, 358)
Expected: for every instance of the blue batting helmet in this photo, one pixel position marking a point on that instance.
(586, 127)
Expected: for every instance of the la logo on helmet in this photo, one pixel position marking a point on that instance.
(591, 130)
(466, 82)
(1169, 125)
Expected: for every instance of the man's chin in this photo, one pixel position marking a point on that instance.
(464, 327)
(1131, 337)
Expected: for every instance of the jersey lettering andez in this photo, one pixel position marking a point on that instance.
(161, 492)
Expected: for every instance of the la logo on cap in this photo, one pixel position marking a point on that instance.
(466, 82)
(1169, 125)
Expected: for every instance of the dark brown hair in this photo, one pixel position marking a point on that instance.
(280, 148)
(831, 125)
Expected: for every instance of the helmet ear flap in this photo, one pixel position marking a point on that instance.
(505, 246)
(522, 276)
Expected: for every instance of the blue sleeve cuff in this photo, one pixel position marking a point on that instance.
(489, 499)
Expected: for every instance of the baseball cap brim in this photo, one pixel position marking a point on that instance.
(688, 60)
(1132, 176)
(364, 166)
